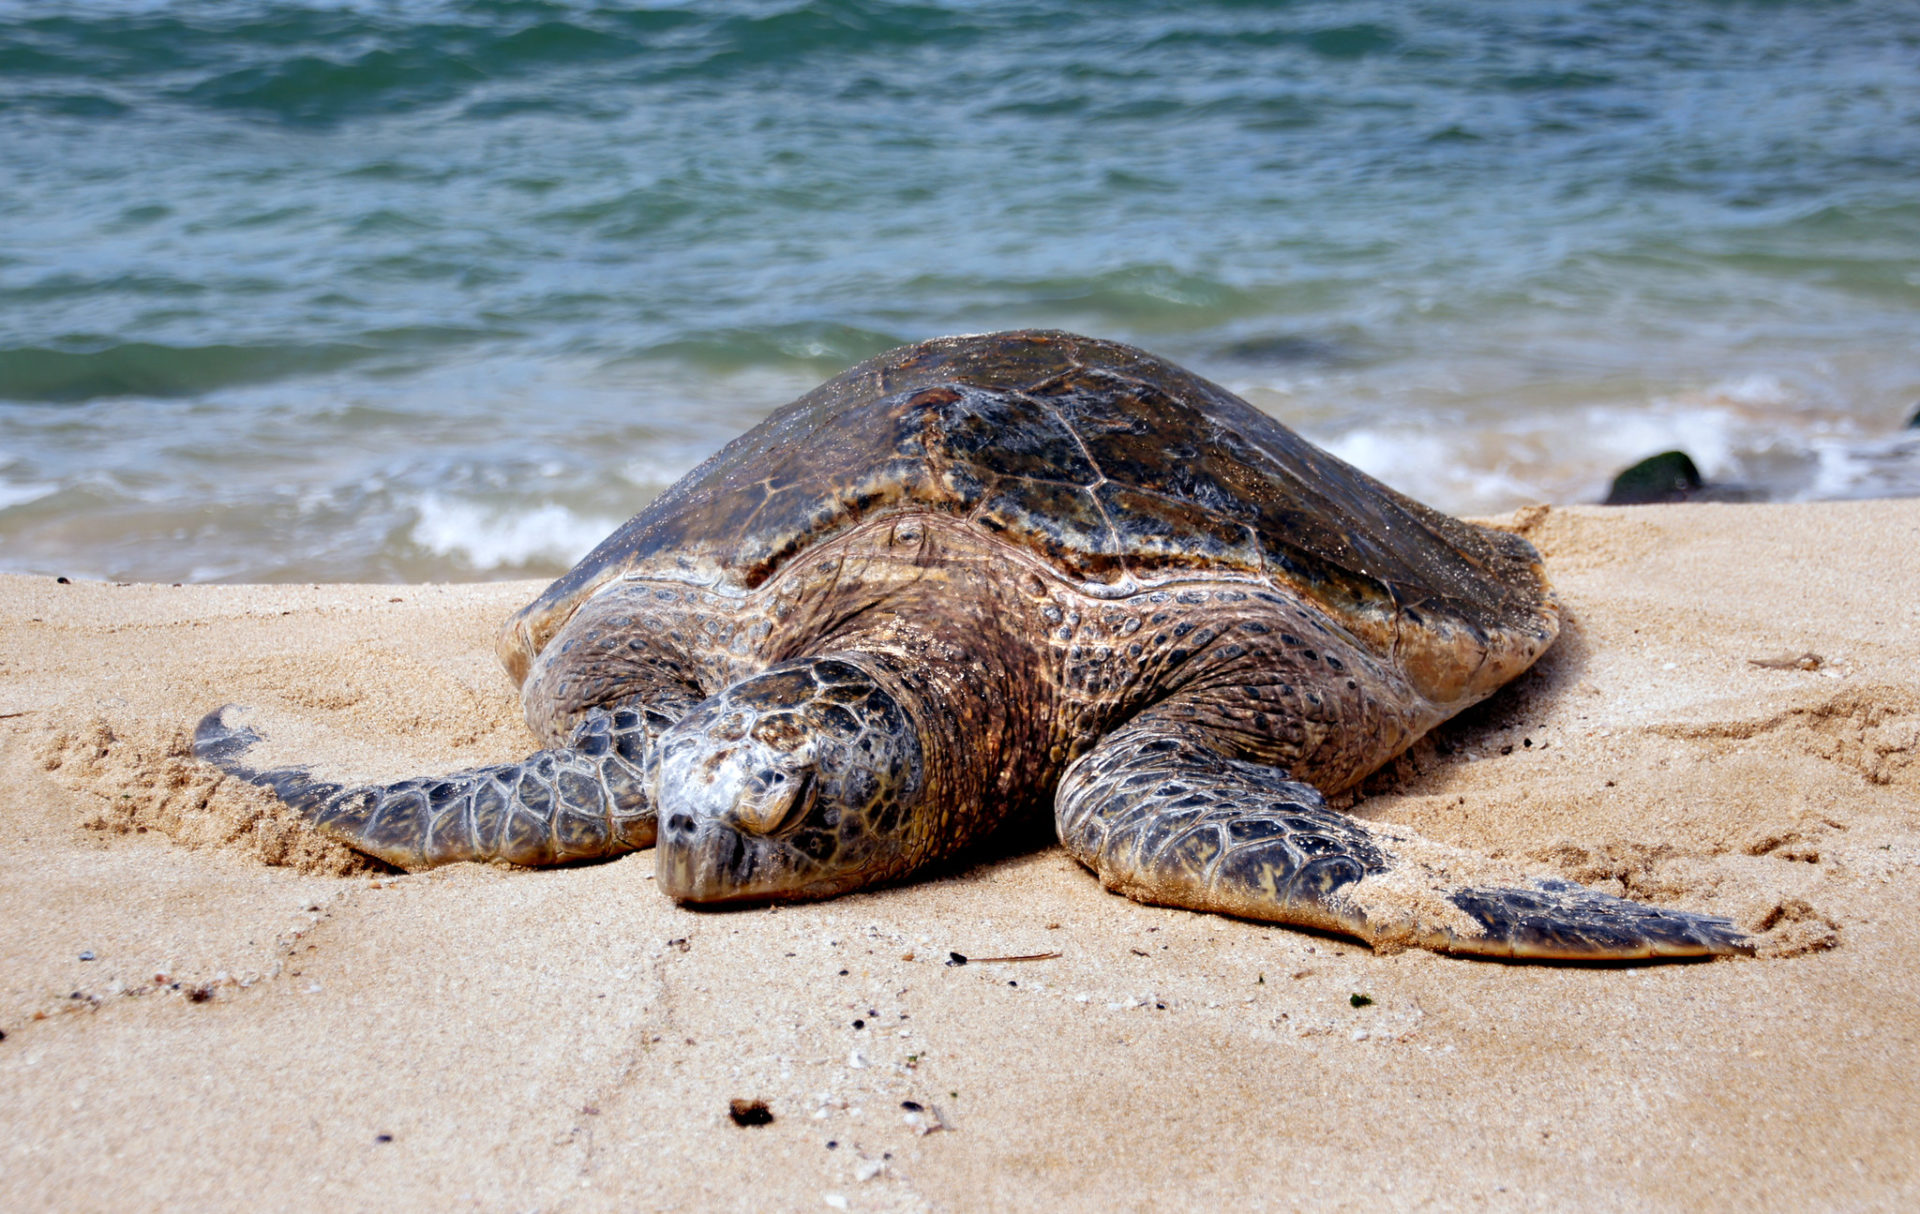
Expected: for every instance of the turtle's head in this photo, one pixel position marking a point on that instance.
(800, 782)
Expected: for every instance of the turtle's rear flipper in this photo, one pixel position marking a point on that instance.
(1164, 819)
(585, 801)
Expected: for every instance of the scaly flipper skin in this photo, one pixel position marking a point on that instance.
(585, 801)
(1163, 818)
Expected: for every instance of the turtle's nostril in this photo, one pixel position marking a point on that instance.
(680, 824)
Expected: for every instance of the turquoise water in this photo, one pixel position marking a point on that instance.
(419, 290)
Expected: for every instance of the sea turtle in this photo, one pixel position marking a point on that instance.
(988, 575)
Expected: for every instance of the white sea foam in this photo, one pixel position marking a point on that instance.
(20, 495)
(1612, 437)
(1881, 467)
(1444, 469)
(1757, 388)
(503, 538)
(1571, 456)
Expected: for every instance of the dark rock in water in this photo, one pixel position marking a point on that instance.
(1667, 477)
(1672, 476)
(1913, 423)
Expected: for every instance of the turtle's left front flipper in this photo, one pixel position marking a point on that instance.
(1163, 818)
(580, 802)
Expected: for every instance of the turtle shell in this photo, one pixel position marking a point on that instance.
(1118, 468)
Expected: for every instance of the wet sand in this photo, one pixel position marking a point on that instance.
(207, 1006)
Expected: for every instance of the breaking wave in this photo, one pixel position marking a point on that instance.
(490, 539)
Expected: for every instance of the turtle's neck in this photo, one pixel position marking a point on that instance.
(934, 620)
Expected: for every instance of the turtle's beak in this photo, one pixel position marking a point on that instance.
(710, 863)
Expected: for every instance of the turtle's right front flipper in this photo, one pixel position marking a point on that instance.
(581, 802)
(1164, 818)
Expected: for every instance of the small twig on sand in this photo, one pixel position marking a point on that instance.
(1022, 957)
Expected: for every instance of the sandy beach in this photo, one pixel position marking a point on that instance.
(207, 1006)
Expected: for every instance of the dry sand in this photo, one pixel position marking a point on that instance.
(207, 1007)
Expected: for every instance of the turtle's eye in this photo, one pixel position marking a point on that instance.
(784, 795)
(803, 797)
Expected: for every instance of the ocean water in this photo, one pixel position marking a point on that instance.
(412, 290)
